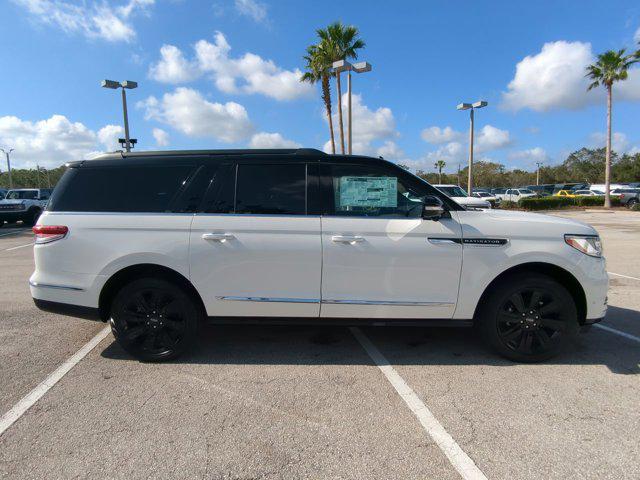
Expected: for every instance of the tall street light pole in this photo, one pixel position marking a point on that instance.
(360, 67)
(127, 84)
(539, 164)
(7, 153)
(472, 107)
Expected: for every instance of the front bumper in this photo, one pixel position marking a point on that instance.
(12, 215)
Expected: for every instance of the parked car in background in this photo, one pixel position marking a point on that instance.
(600, 187)
(564, 193)
(498, 191)
(629, 196)
(565, 186)
(24, 204)
(542, 190)
(180, 238)
(515, 194)
(3, 193)
(489, 197)
(460, 196)
(585, 193)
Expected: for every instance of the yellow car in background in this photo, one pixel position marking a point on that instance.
(564, 193)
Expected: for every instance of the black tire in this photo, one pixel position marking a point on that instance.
(32, 217)
(631, 203)
(154, 319)
(528, 318)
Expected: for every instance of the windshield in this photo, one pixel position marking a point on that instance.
(22, 194)
(526, 191)
(453, 191)
(484, 194)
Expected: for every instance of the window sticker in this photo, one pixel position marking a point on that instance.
(368, 192)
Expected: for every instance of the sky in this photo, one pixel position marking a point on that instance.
(225, 74)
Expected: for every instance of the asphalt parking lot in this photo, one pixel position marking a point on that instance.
(323, 402)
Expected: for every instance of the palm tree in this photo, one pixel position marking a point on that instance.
(318, 70)
(440, 164)
(340, 42)
(611, 67)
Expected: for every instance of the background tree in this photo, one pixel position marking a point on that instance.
(318, 70)
(440, 164)
(611, 67)
(339, 42)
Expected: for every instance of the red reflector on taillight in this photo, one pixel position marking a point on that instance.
(49, 233)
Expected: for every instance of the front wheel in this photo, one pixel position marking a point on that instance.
(154, 319)
(528, 318)
(631, 203)
(32, 217)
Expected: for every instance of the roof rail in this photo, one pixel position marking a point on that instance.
(309, 151)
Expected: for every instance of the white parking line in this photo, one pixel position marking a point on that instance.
(623, 276)
(19, 246)
(37, 393)
(617, 332)
(458, 458)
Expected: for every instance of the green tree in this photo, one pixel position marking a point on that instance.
(440, 164)
(318, 69)
(340, 42)
(610, 67)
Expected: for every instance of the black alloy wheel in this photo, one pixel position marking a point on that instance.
(529, 318)
(154, 319)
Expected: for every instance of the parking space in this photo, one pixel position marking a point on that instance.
(311, 402)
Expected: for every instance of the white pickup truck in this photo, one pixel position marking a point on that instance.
(24, 204)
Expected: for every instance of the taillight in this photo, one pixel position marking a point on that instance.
(622, 195)
(49, 233)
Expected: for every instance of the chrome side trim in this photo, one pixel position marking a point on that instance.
(336, 302)
(57, 287)
(270, 299)
(444, 241)
(402, 303)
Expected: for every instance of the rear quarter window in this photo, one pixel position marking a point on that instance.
(119, 189)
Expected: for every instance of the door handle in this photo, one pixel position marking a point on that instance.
(217, 237)
(347, 239)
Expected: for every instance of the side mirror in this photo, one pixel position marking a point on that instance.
(432, 208)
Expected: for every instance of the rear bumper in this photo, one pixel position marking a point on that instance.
(88, 313)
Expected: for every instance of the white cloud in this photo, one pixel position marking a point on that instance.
(437, 135)
(189, 112)
(369, 127)
(173, 67)
(253, 9)
(100, 20)
(390, 150)
(271, 140)
(53, 141)
(161, 137)
(531, 155)
(555, 78)
(491, 138)
(109, 135)
(248, 74)
(636, 37)
(619, 141)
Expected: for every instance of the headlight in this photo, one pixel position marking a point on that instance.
(587, 244)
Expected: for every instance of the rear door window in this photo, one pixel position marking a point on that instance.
(271, 189)
(120, 189)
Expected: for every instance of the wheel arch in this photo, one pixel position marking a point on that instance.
(563, 276)
(132, 272)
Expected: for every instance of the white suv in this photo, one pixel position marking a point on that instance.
(23, 204)
(158, 242)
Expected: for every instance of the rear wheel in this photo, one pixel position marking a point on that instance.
(529, 318)
(154, 319)
(32, 217)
